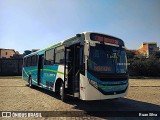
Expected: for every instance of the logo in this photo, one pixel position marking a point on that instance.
(6, 114)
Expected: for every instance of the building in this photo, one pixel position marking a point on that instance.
(148, 48)
(7, 53)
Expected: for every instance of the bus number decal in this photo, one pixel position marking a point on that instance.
(102, 68)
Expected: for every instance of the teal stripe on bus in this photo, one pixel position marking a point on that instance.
(55, 71)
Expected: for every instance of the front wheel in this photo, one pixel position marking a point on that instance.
(62, 92)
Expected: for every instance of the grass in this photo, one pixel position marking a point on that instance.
(10, 77)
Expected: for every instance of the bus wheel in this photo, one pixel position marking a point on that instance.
(62, 92)
(30, 82)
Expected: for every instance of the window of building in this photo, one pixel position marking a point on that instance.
(49, 57)
(6, 53)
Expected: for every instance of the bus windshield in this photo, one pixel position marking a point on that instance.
(107, 59)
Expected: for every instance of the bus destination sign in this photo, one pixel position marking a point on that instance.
(106, 39)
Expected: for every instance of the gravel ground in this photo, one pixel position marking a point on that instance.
(144, 82)
(15, 95)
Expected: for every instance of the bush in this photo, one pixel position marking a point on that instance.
(149, 67)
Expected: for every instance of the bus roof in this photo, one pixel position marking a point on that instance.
(41, 51)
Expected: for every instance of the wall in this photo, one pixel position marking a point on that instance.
(11, 67)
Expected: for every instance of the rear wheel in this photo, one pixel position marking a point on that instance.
(62, 92)
(30, 82)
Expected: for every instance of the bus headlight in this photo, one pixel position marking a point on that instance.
(93, 83)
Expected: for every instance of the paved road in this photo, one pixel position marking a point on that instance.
(143, 95)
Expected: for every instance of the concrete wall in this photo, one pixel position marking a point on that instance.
(11, 67)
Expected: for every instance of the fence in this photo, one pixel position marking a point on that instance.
(11, 67)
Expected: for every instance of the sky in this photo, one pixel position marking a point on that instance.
(36, 24)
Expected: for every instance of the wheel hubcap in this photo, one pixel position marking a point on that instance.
(61, 91)
(30, 82)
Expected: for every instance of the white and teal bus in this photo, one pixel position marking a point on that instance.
(89, 66)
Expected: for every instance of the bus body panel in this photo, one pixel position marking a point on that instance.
(49, 76)
(83, 86)
(90, 93)
(30, 71)
(99, 96)
(60, 74)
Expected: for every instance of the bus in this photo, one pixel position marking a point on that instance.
(89, 66)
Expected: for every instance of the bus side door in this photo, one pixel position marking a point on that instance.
(72, 57)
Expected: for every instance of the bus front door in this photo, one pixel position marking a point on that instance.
(73, 69)
(40, 69)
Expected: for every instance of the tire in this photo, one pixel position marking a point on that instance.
(62, 92)
(30, 82)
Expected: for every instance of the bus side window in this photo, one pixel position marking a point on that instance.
(34, 60)
(24, 62)
(27, 64)
(28, 61)
(49, 57)
(59, 57)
